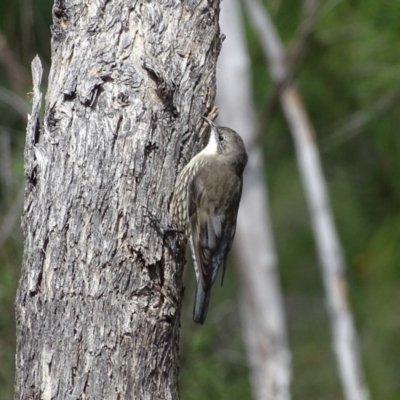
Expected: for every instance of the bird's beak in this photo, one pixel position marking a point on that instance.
(212, 126)
(209, 122)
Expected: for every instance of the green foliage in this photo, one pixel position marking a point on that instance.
(351, 63)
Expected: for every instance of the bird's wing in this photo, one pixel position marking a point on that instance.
(230, 230)
(228, 244)
(207, 229)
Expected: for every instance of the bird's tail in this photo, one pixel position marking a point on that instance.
(201, 301)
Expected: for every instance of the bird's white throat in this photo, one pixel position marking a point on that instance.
(212, 145)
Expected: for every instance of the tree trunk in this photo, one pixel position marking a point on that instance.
(261, 303)
(98, 303)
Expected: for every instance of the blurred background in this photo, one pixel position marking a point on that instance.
(348, 74)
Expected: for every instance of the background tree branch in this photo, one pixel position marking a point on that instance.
(345, 341)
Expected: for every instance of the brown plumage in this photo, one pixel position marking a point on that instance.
(205, 205)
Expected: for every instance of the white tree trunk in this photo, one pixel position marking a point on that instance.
(329, 249)
(261, 304)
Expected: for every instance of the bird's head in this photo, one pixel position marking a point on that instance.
(227, 145)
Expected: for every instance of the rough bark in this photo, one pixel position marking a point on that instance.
(98, 303)
(345, 342)
(261, 304)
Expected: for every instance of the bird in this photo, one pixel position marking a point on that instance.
(205, 205)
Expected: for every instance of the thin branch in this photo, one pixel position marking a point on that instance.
(293, 60)
(297, 50)
(329, 248)
(357, 123)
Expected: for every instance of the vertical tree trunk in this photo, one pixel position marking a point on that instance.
(98, 303)
(261, 304)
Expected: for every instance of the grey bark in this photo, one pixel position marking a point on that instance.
(98, 303)
(261, 303)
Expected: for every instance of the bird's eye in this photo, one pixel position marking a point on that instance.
(221, 138)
